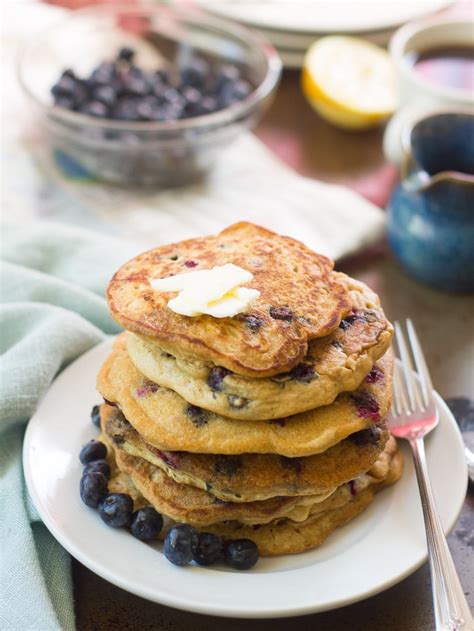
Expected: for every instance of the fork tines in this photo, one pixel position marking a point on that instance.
(410, 394)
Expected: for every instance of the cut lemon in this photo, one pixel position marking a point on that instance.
(349, 81)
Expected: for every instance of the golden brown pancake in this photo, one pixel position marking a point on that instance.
(334, 364)
(167, 422)
(284, 535)
(301, 299)
(251, 477)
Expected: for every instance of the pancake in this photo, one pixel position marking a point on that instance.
(184, 503)
(252, 477)
(301, 299)
(334, 364)
(167, 422)
(285, 535)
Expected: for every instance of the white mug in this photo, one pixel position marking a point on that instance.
(419, 96)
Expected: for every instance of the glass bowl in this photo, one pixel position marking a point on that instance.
(144, 153)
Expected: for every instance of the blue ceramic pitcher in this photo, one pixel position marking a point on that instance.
(431, 213)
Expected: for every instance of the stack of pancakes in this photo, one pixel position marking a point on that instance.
(268, 425)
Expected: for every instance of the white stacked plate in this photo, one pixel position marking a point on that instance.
(293, 25)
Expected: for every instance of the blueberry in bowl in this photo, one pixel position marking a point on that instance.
(146, 95)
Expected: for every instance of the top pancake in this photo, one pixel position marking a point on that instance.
(301, 299)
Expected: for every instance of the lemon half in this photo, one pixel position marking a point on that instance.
(349, 81)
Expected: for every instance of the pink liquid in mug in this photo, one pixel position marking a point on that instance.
(449, 67)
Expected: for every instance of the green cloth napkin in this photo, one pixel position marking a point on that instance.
(52, 281)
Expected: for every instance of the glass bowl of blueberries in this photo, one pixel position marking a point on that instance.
(146, 94)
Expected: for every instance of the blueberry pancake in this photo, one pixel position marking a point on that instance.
(336, 363)
(185, 503)
(169, 423)
(188, 504)
(288, 536)
(301, 299)
(252, 477)
(304, 527)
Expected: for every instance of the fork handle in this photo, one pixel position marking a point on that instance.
(452, 612)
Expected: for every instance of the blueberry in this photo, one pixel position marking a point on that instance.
(162, 75)
(195, 73)
(126, 109)
(241, 554)
(149, 108)
(146, 524)
(170, 95)
(64, 101)
(126, 54)
(208, 104)
(134, 85)
(210, 549)
(98, 466)
(96, 109)
(93, 488)
(369, 436)
(375, 375)
(69, 73)
(93, 450)
(252, 322)
(192, 100)
(116, 510)
(366, 404)
(66, 86)
(197, 415)
(103, 74)
(304, 373)
(95, 415)
(216, 376)
(228, 73)
(233, 92)
(228, 465)
(180, 544)
(105, 94)
(292, 464)
(281, 313)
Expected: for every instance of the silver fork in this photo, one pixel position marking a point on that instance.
(413, 416)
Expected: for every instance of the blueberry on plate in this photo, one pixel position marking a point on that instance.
(209, 549)
(241, 554)
(93, 488)
(180, 544)
(146, 524)
(116, 510)
(98, 466)
(93, 450)
(95, 415)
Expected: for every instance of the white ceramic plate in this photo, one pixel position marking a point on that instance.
(379, 548)
(323, 16)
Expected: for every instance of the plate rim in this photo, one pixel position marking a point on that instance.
(386, 24)
(206, 607)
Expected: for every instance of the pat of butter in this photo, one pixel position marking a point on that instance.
(214, 292)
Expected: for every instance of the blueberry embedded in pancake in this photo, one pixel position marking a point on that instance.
(301, 299)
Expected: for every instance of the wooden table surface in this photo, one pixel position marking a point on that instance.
(445, 322)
